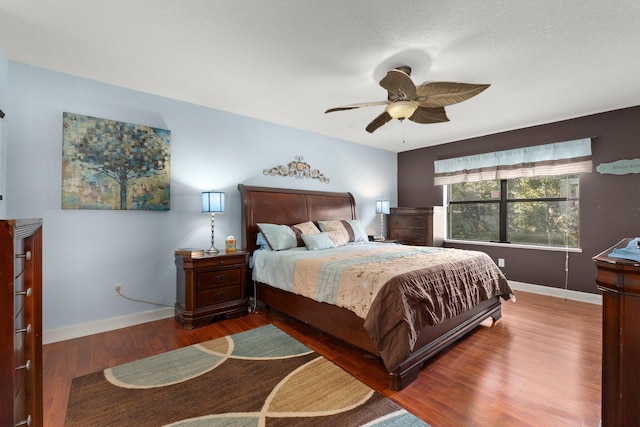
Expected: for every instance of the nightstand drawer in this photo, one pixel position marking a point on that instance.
(408, 221)
(230, 259)
(218, 295)
(218, 278)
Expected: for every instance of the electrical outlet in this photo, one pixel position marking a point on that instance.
(500, 262)
(117, 287)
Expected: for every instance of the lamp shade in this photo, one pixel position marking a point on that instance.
(212, 202)
(402, 109)
(382, 206)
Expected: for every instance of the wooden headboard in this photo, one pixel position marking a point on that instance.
(288, 207)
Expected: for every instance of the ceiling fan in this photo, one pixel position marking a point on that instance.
(421, 104)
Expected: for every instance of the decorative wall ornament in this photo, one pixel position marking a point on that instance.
(114, 165)
(620, 167)
(298, 169)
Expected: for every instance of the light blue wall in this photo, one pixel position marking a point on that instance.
(86, 252)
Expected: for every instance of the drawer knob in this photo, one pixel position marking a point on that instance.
(26, 366)
(219, 295)
(28, 292)
(26, 330)
(219, 279)
(26, 422)
(26, 255)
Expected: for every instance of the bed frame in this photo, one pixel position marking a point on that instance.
(287, 206)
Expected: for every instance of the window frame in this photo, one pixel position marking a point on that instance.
(502, 203)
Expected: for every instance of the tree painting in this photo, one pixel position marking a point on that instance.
(114, 165)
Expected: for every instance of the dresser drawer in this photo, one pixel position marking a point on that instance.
(218, 278)
(218, 295)
(408, 221)
(408, 236)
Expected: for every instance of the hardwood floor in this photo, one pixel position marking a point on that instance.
(538, 366)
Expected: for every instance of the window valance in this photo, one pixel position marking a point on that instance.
(559, 158)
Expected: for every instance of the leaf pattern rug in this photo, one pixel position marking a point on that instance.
(261, 377)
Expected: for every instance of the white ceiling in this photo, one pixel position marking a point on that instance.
(287, 61)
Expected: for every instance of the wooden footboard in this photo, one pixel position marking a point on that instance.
(433, 339)
(346, 326)
(335, 321)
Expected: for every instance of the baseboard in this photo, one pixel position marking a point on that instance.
(556, 292)
(90, 328)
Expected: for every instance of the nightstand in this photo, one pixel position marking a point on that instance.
(210, 286)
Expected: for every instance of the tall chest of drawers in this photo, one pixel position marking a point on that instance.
(417, 226)
(21, 322)
(619, 281)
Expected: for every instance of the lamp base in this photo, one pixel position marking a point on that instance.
(382, 239)
(212, 251)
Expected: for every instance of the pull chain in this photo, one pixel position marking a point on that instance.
(403, 141)
(402, 124)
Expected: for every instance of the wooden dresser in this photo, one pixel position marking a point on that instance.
(210, 286)
(417, 226)
(619, 281)
(21, 322)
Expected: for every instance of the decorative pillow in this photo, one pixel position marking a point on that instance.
(336, 231)
(304, 228)
(279, 237)
(307, 228)
(359, 232)
(344, 231)
(318, 241)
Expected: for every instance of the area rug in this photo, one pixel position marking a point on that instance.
(262, 377)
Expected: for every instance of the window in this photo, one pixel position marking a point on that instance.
(532, 210)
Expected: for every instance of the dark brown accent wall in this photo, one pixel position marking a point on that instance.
(609, 204)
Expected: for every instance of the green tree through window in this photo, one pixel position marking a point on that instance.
(532, 210)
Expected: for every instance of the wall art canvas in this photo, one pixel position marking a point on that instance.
(108, 164)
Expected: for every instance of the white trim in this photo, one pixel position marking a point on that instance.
(556, 292)
(90, 328)
(104, 325)
(515, 245)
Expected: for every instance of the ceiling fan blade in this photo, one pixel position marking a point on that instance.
(399, 85)
(360, 105)
(441, 94)
(429, 115)
(378, 121)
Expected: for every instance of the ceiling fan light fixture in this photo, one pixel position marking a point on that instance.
(401, 109)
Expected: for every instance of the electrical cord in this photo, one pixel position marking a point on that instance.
(566, 270)
(253, 305)
(140, 300)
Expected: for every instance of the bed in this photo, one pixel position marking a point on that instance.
(403, 346)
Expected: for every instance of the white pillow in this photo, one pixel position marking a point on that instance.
(359, 233)
(279, 237)
(318, 241)
(261, 242)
